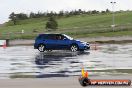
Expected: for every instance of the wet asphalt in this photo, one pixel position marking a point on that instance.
(26, 62)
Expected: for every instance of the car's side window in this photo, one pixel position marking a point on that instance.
(50, 36)
(46, 37)
(59, 37)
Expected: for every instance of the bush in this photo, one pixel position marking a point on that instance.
(52, 23)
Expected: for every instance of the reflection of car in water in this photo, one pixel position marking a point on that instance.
(51, 42)
(58, 63)
(47, 58)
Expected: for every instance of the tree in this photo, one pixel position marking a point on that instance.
(103, 12)
(21, 16)
(32, 15)
(13, 17)
(95, 12)
(61, 13)
(107, 10)
(52, 23)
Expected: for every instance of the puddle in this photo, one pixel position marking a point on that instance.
(25, 62)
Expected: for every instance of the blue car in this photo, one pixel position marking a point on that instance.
(51, 42)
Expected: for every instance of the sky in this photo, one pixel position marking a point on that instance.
(27, 6)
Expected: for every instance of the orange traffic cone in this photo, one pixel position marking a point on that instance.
(86, 74)
(4, 46)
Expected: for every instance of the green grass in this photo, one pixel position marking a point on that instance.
(76, 26)
(110, 34)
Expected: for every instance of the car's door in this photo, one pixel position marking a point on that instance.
(50, 41)
(62, 42)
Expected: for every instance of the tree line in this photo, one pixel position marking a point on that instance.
(52, 23)
(23, 16)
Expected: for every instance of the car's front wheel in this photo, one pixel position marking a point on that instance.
(41, 48)
(74, 48)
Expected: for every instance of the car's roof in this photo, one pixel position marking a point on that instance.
(51, 34)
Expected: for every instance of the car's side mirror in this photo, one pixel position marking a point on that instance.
(65, 39)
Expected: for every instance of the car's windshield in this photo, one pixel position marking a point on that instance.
(68, 37)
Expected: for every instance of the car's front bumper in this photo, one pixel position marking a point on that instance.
(84, 47)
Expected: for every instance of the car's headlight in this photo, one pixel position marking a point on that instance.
(88, 44)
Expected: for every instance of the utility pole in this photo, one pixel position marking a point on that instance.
(113, 16)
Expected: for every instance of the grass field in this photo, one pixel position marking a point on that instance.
(76, 26)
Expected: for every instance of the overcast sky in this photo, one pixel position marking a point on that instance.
(27, 6)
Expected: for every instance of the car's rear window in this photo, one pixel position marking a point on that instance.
(40, 36)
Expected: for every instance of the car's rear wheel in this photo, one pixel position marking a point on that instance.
(74, 48)
(41, 47)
